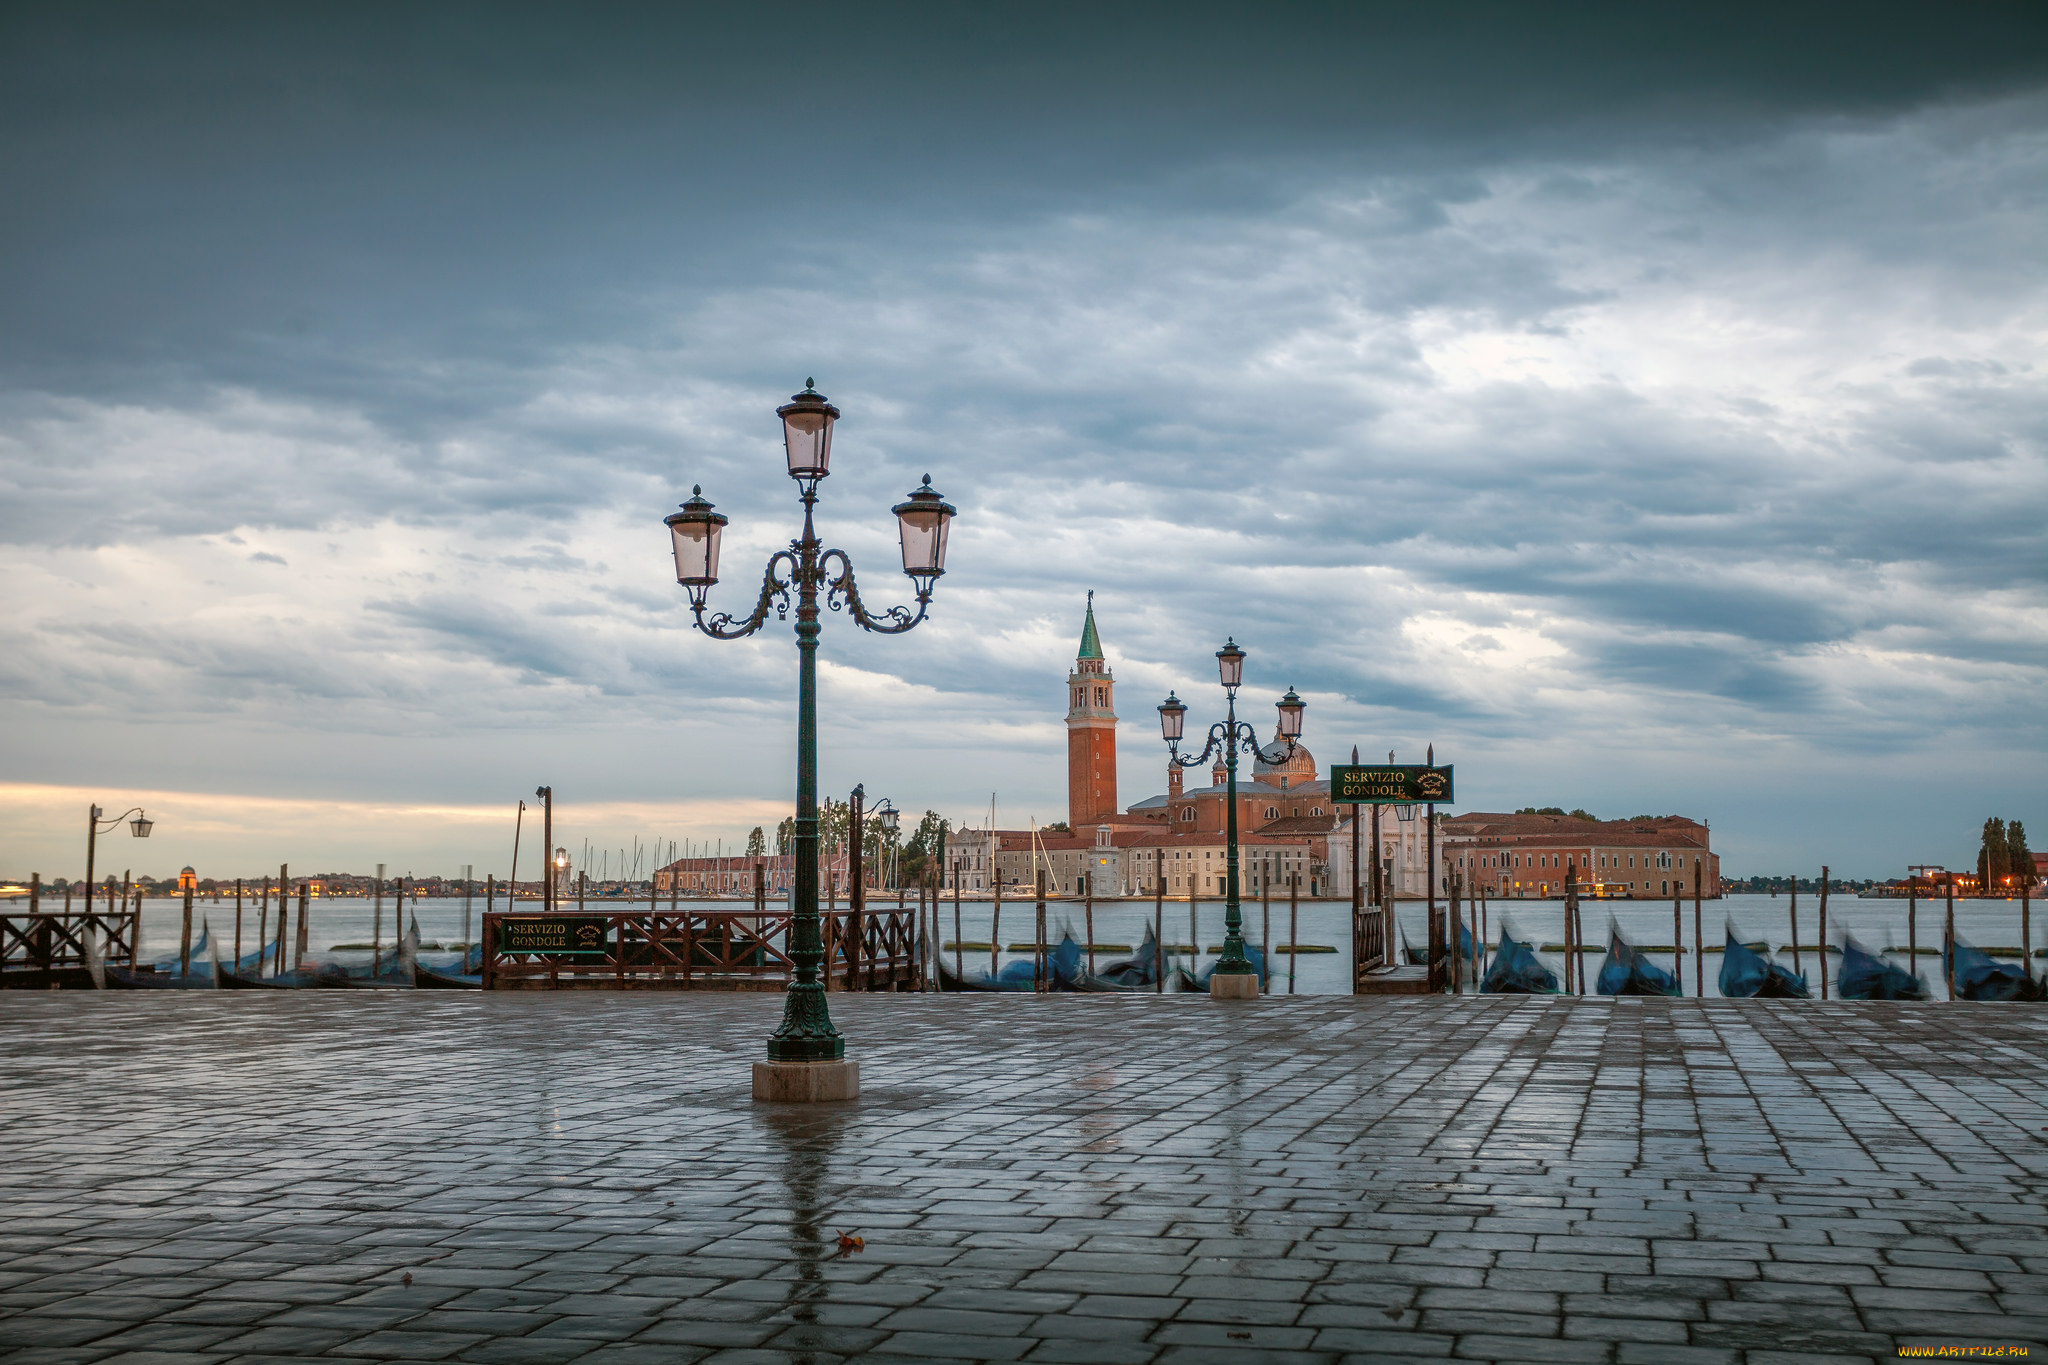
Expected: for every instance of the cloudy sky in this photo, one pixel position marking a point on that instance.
(1646, 408)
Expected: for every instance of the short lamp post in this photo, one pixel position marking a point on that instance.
(1234, 976)
(96, 825)
(887, 819)
(806, 1055)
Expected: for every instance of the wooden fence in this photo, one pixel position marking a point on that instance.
(688, 949)
(42, 950)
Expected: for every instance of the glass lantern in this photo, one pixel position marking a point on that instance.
(696, 530)
(923, 520)
(807, 432)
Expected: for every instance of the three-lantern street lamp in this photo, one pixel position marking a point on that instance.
(1234, 974)
(96, 825)
(808, 569)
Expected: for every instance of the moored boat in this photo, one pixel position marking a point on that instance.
(1980, 976)
(1748, 974)
(1516, 970)
(1865, 975)
(1627, 971)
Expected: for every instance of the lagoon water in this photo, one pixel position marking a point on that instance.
(1877, 924)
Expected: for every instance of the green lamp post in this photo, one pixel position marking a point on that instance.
(1234, 975)
(805, 1048)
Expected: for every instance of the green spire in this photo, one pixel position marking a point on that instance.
(1091, 647)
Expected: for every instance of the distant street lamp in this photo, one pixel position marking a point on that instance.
(95, 825)
(887, 819)
(806, 1036)
(1234, 976)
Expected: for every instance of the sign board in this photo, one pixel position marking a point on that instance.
(1403, 784)
(575, 935)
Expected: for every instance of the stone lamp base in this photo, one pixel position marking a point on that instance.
(1221, 987)
(806, 1082)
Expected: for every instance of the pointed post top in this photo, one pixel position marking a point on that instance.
(1091, 644)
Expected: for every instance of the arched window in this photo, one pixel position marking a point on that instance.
(1272, 812)
(1187, 812)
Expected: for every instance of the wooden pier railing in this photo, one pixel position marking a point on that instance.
(1368, 942)
(42, 950)
(689, 949)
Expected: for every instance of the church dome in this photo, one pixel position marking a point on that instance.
(1275, 763)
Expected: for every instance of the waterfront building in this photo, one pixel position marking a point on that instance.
(1137, 860)
(1517, 856)
(970, 860)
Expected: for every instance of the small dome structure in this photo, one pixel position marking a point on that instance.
(1276, 766)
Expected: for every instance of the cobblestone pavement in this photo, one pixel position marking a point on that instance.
(530, 1179)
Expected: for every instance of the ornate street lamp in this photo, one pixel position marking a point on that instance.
(806, 1055)
(96, 825)
(1234, 976)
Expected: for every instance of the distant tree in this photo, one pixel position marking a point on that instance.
(1991, 855)
(1579, 814)
(1056, 827)
(785, 836)
(924, 844)
(2018, 856)
(757, 843)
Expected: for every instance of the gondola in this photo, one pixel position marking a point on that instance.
(465, 975)
(1137, 973)
(203, 974)
(1419, 957)
(400, 973)
(1747, 974)
(1866, 976)
(1980, 976)
(1516, 970)
(1063, 966)
(1628, 972)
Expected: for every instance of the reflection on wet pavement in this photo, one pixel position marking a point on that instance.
(1077, 1178)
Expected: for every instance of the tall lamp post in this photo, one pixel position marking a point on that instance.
(806, 1055)
(1234, 977)
(96, 825)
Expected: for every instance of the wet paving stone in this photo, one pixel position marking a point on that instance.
(584, 1178)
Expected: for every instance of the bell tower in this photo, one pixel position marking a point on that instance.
(1091, 733)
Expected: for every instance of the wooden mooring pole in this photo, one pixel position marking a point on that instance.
(1678, 934)
(2027, 922)
(1948, 937)
(1293, 927)
(959, 967)
(1571, 946)
(995, 927)
(1039, 983)
(1822, 950)
(1699, 951)
(1088, 912)
(1792, 909)
(1913, 925)
(1159, 921)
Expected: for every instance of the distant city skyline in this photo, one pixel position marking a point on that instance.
(1646, 408)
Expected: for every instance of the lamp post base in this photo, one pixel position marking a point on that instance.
(806, 1082)
(1240, 987)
